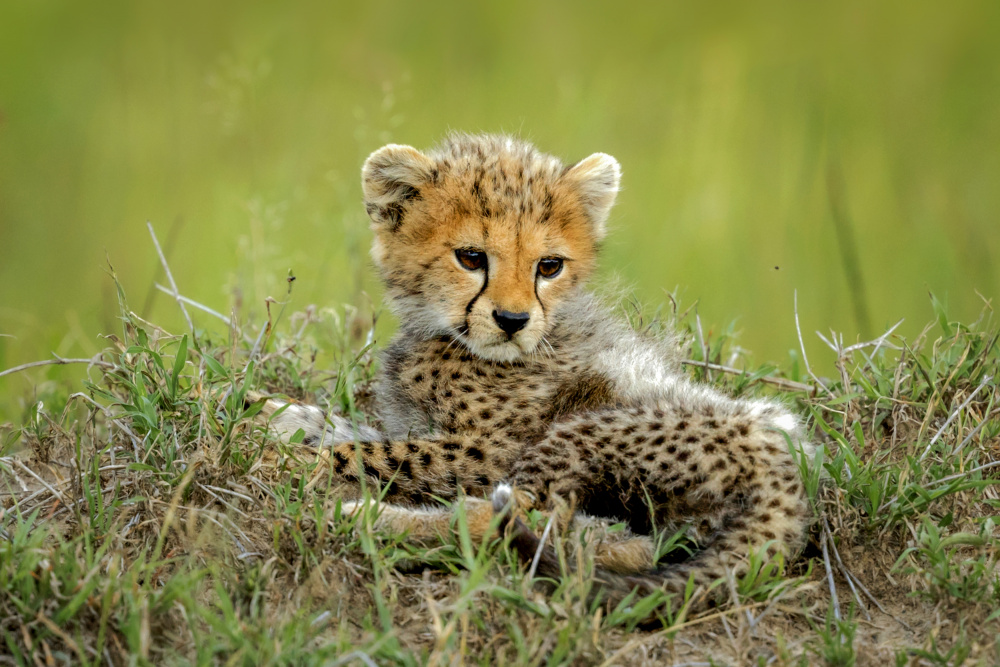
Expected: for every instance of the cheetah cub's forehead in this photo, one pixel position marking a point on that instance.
(484, 237)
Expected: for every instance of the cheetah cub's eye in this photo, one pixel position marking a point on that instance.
(550, 267)
(473, 260)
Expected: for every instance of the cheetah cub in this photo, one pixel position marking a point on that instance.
(508, 378)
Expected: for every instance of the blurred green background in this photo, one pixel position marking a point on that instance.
(849, 151)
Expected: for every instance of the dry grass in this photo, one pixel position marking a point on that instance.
(145, 520)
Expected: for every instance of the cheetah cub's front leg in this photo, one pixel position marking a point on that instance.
(410, 470)
(616, 551)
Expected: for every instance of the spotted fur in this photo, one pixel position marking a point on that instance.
(574, 409)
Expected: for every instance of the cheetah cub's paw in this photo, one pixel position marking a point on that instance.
(512, 506)
(284, 419)
(508, 502)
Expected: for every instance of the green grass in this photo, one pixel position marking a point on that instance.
(146, 520)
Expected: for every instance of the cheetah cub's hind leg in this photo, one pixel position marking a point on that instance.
(619, 551)
(719, 465)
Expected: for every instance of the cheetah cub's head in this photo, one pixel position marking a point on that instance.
(484, 238)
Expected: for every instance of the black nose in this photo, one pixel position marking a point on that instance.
(510, 322)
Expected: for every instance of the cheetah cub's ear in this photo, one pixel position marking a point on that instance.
(392, 178)
(596, 180)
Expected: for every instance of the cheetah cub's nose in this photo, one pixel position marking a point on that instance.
(510, 322)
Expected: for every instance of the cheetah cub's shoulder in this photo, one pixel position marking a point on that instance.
(507, 375)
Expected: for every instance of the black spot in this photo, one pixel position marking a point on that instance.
(412, 447)
(450, 445)
(474, 453)
(547, 205)
(426, 459)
